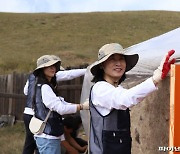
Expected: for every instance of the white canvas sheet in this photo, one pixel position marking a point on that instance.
(152, 51)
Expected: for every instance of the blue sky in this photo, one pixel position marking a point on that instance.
(61, 6)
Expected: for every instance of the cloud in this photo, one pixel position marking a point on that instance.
(58, 6)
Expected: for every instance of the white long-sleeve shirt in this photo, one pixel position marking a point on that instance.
(62, 76)
(53, 102)
(57, 104)
(50, 99)
(106, 97)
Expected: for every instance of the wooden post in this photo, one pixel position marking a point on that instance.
(174, 125)
(10, 90)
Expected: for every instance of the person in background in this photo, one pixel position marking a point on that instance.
(46, 100)
(29, 144)
(66, 148)
(110, 102)
(72, 124)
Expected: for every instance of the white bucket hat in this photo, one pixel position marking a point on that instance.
(113, 48)
(47, 60)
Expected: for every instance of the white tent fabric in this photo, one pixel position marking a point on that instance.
(87, 84)
(150, 53)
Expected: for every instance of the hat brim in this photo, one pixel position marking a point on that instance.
(49, 63)
(131, 61)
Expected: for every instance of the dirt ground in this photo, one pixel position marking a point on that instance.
(150, 119)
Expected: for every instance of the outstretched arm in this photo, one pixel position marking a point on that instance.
(69, 74)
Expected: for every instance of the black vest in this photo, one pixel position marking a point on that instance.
(54, 124)
(31, 85)
(116, 120)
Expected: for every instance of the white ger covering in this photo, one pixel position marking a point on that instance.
(152, 51)
(150, 54)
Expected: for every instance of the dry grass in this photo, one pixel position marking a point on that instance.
(74, 37)
(12, 139)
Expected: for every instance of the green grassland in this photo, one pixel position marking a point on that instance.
(76, 37)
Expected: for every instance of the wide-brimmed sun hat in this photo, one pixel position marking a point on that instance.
(55, 57)
(47, 60)
(58, 58)
(113, 48)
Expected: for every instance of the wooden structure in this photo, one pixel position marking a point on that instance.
(12, 99)
(174, 127)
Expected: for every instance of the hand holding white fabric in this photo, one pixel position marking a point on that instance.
(85, 105)
(161, 72)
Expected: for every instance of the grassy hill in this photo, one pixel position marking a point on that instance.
(76, 37)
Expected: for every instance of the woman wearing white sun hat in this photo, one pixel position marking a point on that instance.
(110, 102)
(29, 145)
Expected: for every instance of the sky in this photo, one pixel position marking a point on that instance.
(74, 6)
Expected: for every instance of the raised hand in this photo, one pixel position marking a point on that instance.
(161, 72)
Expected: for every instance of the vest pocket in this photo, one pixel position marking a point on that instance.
(116, 142)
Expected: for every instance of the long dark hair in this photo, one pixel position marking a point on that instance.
(99, 76)
(41, 79)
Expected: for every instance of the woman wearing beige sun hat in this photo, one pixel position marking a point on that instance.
(46, 85)
(110, 102)
(109, 49)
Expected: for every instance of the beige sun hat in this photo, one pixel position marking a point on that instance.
(47, 60)
(58, 58)
(113, 48)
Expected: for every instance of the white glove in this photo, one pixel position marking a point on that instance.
(161, 72)
(85, 105)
